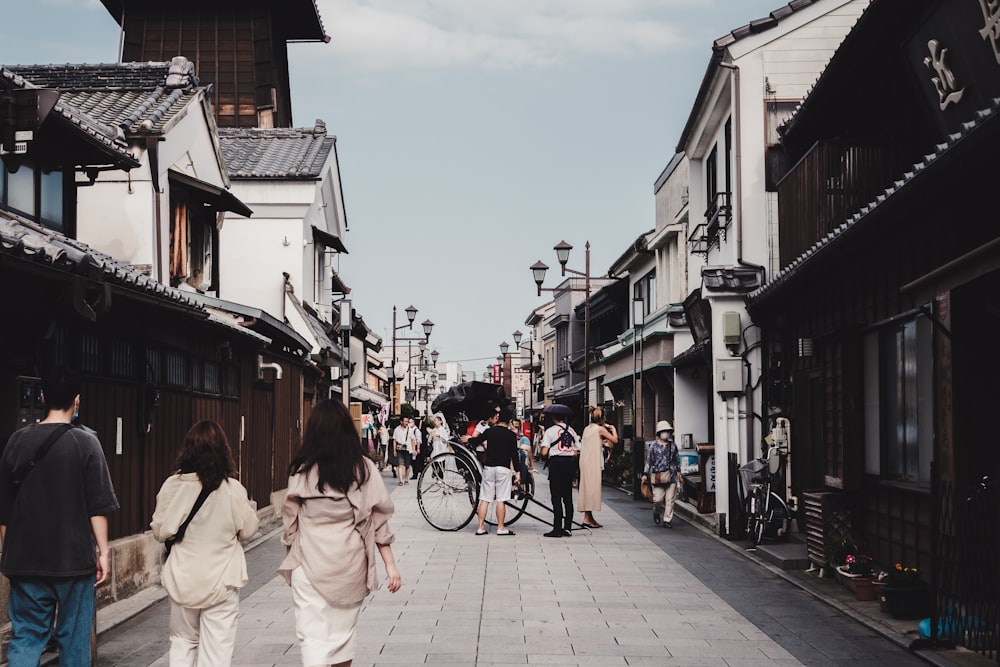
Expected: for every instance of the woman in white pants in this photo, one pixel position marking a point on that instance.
(205, 570)
(336, 515)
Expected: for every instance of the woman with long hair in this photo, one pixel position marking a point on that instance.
(336, 515)
(206, 566)
(592, 463)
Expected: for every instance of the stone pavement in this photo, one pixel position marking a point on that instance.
(627, 594)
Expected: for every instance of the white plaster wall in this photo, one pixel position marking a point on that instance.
(253, 257)
(116, 217)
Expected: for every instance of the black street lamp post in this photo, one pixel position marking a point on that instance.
(538, 270)
(427, 325)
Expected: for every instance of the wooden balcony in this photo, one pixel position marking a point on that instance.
(829, 184)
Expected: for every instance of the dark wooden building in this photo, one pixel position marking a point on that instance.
(238, 46)
(879, 321)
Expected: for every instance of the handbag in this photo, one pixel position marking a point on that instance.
(646, 489)
(663, 478)
(171, 541)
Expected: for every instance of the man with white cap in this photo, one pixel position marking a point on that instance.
(663, 470)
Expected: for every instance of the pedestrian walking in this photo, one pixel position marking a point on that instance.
(562, 446)
(383, 446)
(202, 512)
(500, 468)
(592, 465)
(55, 497)
(335, 515)
(663, 471)
(403, 444)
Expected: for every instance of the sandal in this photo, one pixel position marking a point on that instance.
(592, 525)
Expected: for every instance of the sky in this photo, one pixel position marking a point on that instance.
(473, 135)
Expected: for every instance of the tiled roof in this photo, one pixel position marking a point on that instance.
(918, 171)
(762, 24)
(25, 240)
(109, 137)
(276, 153)
(138, 98)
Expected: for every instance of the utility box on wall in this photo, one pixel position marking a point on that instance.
(729, 375)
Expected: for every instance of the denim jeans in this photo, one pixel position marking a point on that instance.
(32, 608)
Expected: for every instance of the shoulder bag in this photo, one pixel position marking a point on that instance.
(170, 542)
(21, 473)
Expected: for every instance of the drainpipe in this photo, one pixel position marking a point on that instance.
(153, 151)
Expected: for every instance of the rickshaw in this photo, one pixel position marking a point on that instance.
(448, 486)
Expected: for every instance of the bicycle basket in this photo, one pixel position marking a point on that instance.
(751, 471)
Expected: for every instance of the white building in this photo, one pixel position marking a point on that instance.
(755, 77)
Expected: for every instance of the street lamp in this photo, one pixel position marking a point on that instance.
(434, 358)
(411, 314)
(517, 336)
(538, 270)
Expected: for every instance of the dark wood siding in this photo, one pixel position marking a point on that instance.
(234, 46)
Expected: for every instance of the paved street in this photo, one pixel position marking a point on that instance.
(627, 594)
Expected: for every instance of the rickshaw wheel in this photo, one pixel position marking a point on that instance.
(515, 507)
(448, 492)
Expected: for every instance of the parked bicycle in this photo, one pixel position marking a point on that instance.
(768, 517)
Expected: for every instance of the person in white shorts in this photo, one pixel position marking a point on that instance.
(500, 468)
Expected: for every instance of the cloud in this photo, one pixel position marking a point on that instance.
(497, 34)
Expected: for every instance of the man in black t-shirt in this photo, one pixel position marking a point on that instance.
(54, 528)
(501, 465)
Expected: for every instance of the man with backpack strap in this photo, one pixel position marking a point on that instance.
(563, 446)
(55, 495)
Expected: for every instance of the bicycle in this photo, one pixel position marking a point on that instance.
(768, 516)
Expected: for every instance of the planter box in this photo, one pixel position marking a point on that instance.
(908, 601)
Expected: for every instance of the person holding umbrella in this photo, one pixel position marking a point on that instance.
(562, 445)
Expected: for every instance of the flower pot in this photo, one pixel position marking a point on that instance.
(908, 601)
(848, 580)
(864, 589)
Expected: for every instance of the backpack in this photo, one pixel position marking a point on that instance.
(566, 441)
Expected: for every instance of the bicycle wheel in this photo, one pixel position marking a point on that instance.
(448, 492)
(777, 519)
(515, 507)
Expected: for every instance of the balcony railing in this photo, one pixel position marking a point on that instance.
(712, 232)
(828, 185)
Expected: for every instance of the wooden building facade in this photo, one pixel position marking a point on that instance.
(878, 323)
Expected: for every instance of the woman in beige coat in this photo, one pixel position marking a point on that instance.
(591, 465)
(336, 515)
(206, 569)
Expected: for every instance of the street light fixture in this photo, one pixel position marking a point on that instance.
(538, 270)
(411, 315)
(434, 358)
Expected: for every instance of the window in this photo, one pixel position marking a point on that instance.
(899, 401)
(37, 194)
(712, 176)
(645, 289)
(192, 242)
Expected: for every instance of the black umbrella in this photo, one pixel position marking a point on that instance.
(557, 409)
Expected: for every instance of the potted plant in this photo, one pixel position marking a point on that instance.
(857, 572)
(907, 595)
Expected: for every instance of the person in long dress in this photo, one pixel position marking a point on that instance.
(336, 516)
(592, 465)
